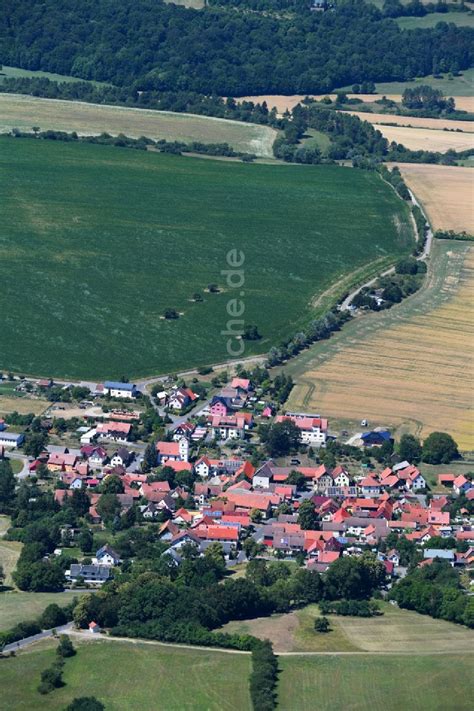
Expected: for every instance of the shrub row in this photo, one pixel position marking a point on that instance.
(353, 608)
(451, 234)
(264, 677)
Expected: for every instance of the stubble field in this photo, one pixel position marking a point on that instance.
(426, 139)
(446, 193)
(414, 122)
(97, 242)
(410, 367)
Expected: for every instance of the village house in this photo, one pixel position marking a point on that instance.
(114, 431)
(172, 451)
(181, 398)
(313, 428)
(231, 426)
(106, 556)
(122, 458)
(95, 575)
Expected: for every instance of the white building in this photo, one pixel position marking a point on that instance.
(123, 390)
(11, 439)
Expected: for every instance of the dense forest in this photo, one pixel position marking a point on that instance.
(148, 45)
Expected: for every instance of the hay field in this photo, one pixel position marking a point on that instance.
(426, 139)
(446, 193)
(410, 368)
(17, 111)
(414, 122)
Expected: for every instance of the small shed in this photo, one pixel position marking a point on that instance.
(94, 628)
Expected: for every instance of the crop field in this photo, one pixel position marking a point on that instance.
(410, 367)
(24, 112)
(414, 122)
(19, 606)
(446, 193)
(390, 682)
(127, 676)
(98, 241)
(426, 139)
(397, 631)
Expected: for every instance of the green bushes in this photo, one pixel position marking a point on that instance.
(451, 234)
(141, 144)
(435, 590)
(19, 631)
(351, 608)
(264, 676)
(52, 677)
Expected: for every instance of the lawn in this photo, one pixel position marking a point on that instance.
(396, 631)
(17, 110)
(9, 554)
(409, 368)
(19, 606)
(389, 682)
(128, 676)
(103, 240)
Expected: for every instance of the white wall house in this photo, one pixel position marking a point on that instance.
(11, 439)
(124, 390)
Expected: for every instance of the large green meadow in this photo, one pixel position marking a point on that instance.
(128, 676)
(97, 242)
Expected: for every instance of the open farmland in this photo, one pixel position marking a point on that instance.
(446, 193)
(281, 102)
(390, 682)
(23, 112)
(426, 139)
(127, 676)
(410, 367)
(414, 122)
(102, 240)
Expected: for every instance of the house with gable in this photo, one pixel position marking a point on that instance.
(120, 390)
(172, 451)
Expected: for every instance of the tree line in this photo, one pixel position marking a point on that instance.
(150, 45)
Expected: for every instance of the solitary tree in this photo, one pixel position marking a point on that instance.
(170, 314)
(439, 448)
(321, 624)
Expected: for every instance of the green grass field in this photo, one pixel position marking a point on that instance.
(462, 85)
(458, 18)
(391, 682)
(397, 631)
(127, 676)
(24, 112)
(98, 241)
(19, 606)
(16, 73)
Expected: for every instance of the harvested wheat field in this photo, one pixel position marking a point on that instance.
(411, 367)
(427, 139)
(281, 102)
(412, 121)
(446, 193)
(18, 111)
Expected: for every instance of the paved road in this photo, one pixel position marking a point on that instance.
(25, 472)
(22, 643)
